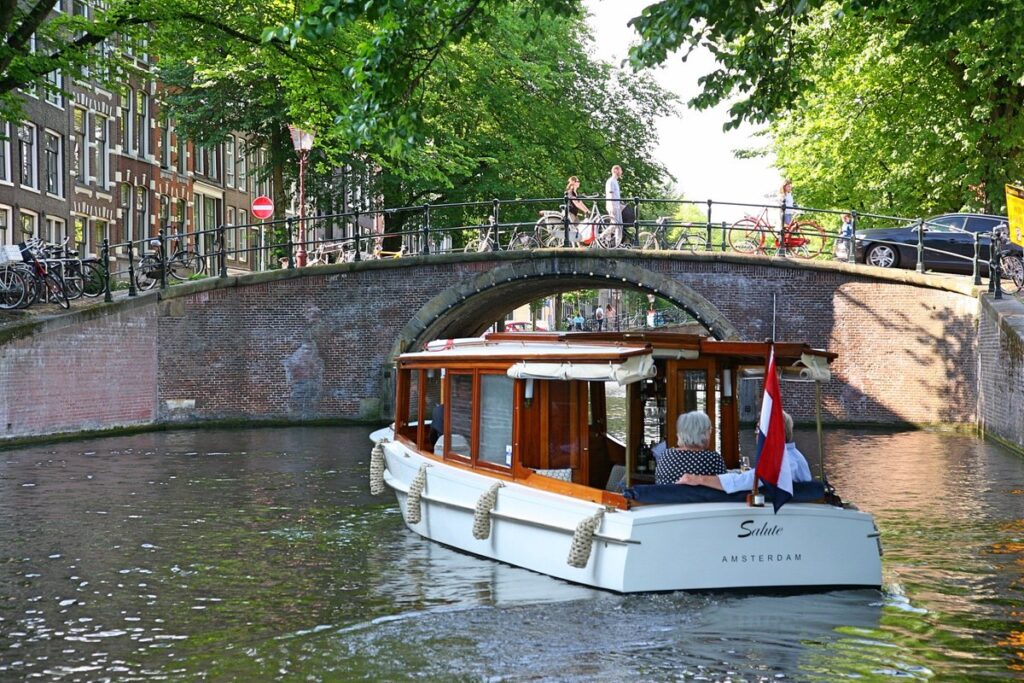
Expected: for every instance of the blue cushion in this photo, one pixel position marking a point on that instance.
(803, 492)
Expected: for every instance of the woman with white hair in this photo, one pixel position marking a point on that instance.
(731, 482)
(692, 456)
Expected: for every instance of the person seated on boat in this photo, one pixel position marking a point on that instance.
(436, 423)
(691, 456)
(730, 482)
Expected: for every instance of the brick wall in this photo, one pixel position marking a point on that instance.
(1001, 370)
(296, 346)
(80, 372)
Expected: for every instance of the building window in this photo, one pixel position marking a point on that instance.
(127, 139)
(100, 232)
(78, 147)
(81, 225)
(243, 234)
(5, 226)
(54, 163)
(142, 212)
(165, 143)
(102, 148)
(179, 213)
(29, 225)
(5, 152)
(54, 230)
(182, 153)
(230, 232)
(141, 123)
(229, 163)
(55, 88)
(240, 170)
(27, 150)
(127, 215)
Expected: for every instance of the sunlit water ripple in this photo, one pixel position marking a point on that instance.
(257, 555)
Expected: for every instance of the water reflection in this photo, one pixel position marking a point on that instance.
(259, 554)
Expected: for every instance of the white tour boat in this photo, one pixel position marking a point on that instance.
(526, 471)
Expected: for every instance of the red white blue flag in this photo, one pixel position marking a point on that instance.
(771, 441)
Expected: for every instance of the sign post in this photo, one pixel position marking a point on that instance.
(1015, 212)
(262, 208)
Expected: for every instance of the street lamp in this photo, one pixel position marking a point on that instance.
(302, 141)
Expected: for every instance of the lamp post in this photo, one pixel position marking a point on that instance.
(302, 141)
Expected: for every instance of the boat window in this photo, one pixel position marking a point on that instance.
(461, 415)
(561, 445)
(409, 425)
(496, 398)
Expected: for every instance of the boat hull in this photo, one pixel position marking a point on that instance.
(649, 548)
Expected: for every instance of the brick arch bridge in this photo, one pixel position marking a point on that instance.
(316, 343)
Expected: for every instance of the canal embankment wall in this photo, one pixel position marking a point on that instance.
(298, 346)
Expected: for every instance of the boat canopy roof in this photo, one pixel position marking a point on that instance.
(623, 357)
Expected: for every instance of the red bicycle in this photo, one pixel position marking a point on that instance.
(802, 238)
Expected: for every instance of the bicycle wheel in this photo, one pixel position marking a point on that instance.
(1012, 280)
(523, 241)
(93, 279)
(13, 288)
(806, 239)
(72, 277)
(609, 236)
(184, 263)
(147, 273)
(55, 292)
(747, 236)
(691, 241)
(649, 241)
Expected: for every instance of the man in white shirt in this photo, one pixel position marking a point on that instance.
(613, 197)
(731, 482)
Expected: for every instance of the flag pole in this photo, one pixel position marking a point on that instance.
(821, 440)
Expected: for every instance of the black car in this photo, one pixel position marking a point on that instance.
(951, 232)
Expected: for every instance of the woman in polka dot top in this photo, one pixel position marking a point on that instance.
(693, 432)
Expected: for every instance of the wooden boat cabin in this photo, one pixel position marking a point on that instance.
(573, 413)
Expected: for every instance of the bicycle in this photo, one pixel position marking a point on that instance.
(44, 285)
(183, 262)
(489, 240)
(653, 240)
(803, 238)
(550, 230)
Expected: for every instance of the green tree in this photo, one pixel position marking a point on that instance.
(781, 58)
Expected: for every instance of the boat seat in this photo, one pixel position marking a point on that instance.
(563, 474)
(803, 492)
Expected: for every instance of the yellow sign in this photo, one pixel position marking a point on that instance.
(1015, 211)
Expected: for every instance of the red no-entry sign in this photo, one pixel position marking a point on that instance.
(262, 207)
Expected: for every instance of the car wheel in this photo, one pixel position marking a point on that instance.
(882, 256)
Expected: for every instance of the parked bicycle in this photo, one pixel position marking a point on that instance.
(594, 230)
(657, 239)
(43, 285)
(489, 240)
(802, 238)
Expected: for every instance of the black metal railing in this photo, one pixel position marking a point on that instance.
(516, 224)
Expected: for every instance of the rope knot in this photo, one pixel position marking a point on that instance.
(583, 540)
(482, 514)
(413, 513)
(377, 467)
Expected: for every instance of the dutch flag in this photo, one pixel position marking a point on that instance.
(771, 441)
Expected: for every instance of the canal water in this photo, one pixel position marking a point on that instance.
(260, 555)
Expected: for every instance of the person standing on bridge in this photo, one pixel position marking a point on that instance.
(787, 201)
(613, 196)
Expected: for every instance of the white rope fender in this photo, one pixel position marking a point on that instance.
(412, 503)
(482, 514)
(583, 540)
(377, 467)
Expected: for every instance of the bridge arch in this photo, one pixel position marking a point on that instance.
(467, 309)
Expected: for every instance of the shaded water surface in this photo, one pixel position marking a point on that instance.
(258, 555)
